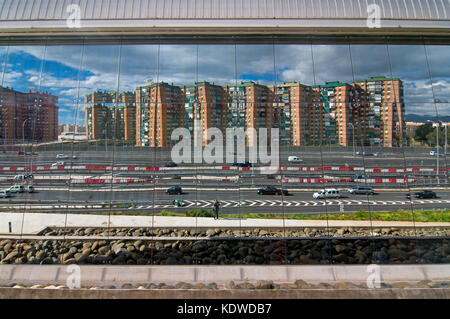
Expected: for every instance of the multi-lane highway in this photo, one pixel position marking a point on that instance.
(232, 201)
(140, 178)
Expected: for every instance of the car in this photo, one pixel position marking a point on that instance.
(246, 164)
(58, 164)
(62, 156)
(434, 153)
(74, 157)
(294, 159)
(360, 176)
(364, 153)
(361, 190)
(23, 177)
(30, 189)
(17, 189)
(171, 164)
(423, 194)
(5, 193)
(327, 193)
(270, 190)
(20, 153)
(175, 190)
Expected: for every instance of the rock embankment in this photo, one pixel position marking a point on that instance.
(249, 232)
(226, 252)
(261, 284)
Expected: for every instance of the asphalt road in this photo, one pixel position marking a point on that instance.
(232, 201)
(124, 157)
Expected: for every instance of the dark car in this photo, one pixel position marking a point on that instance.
(246, 164)
(365, 153)
(175, 190)
(171, 164)
(362, 190)
(270, 190)
(423, 194)
(20, 153)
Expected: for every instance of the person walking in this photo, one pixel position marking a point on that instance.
(216, 209)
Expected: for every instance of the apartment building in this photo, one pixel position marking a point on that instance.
(250, 106)
(378, 111)
(32, 116)
(333, 102)
(159, 111)
(112, 115)
(206, 105)
(98, 122)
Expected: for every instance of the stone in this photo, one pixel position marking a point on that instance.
(400, 285)
(304, 259)
(80, 258)
(301, 284)
(245, 285)
(210, 232)
(70, 261)
(10, 256)
(264, 284)
(47, 261)
(183, 285)
(103, 250)
(340, 248)
(346, 285)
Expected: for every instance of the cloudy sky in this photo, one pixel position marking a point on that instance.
(71, 71)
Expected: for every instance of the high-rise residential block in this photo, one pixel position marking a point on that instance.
(111, 115)
(206, 106)
(32, 116)
(379, 110)
(159, 111)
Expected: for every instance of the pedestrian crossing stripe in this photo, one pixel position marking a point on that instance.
(238, 203)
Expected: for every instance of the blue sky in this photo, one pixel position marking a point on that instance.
(177, 64)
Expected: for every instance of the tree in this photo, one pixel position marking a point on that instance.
(431, 137)
(423, 131)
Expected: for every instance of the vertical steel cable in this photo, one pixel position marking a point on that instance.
(405, 176)
(237, 101)
(360, 137)
(80, 72)
(155, 104)
(33, 127)
(275, 101)
(2, 95)
(114, 139)
(321, 155)
(435, 107)
(437, 113)
(198, 109)
(237, 105)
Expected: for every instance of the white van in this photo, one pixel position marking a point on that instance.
(294, 159)
(17, 189)
(327, 193)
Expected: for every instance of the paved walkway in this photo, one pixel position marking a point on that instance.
(32, 223)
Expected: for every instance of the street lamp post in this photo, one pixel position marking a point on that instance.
(353, 129)
(23, 134)
(106, 136)
(445, 147)
(437, 151)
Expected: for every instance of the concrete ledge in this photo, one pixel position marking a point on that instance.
(414, 293)
(92, 275)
